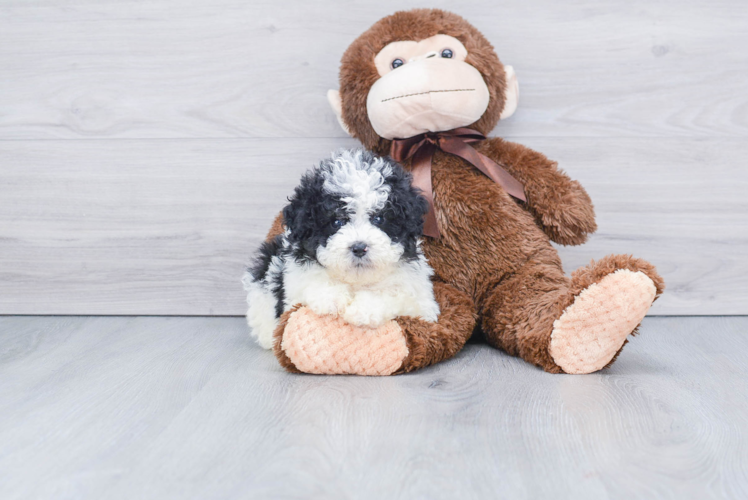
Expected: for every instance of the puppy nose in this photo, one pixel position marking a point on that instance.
(359, 249)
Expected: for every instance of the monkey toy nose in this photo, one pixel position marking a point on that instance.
(428, 55)
(359, 249)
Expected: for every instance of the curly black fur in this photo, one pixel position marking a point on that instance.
(259, 270)
(311, 212)
(403, 214)
(310, 215)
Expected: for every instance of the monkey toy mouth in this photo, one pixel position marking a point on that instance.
(427, 92)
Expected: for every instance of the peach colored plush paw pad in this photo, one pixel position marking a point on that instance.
(593, 328)
(328, 345)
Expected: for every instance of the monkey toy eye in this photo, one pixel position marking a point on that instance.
(338, 223)
(447, 53)
(377, 220)
(398, 62)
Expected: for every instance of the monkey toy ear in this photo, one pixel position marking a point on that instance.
(512, 93)
(333, 97)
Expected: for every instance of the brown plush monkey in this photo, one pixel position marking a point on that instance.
(496, 206)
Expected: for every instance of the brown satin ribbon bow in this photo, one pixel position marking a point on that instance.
(421, 148)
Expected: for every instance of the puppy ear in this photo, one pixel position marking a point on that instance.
(512, 93)
(336, 103)
(289, 217)
(422, 205)
(409, 202)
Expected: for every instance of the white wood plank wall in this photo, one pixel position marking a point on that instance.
(145, 146)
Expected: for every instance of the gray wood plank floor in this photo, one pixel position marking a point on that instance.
(146, 407)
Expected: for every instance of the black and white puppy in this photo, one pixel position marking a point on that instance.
(351, 248)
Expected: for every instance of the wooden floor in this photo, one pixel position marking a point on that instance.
(174, 407)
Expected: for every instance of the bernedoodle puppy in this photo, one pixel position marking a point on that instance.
(351, 249)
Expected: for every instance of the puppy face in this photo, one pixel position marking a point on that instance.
(356, 215)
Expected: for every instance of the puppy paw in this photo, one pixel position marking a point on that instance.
(430, 312)
(329, 301)
(366, 311)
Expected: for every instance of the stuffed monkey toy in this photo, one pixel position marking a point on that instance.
(425, 87)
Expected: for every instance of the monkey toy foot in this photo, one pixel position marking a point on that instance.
(593, 329)
(326, 345)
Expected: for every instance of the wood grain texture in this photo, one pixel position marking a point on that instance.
(167, 227)
(232, 68)
(145, 146)
(188, 408)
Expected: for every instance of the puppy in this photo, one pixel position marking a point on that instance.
(351, 248)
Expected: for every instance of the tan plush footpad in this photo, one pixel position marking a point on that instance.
(328, 345)
(593, 328)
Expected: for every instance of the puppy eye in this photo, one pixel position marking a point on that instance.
(398, 62)
(338, 223)
(447, 53)
(377, 220)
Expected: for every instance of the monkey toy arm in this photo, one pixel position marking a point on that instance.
(561, 206)
(276, 229)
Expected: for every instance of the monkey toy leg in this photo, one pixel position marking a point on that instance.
(306, 342)
(576, 325)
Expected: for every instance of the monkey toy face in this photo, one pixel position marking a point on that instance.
(425, 86)
(421, 71)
